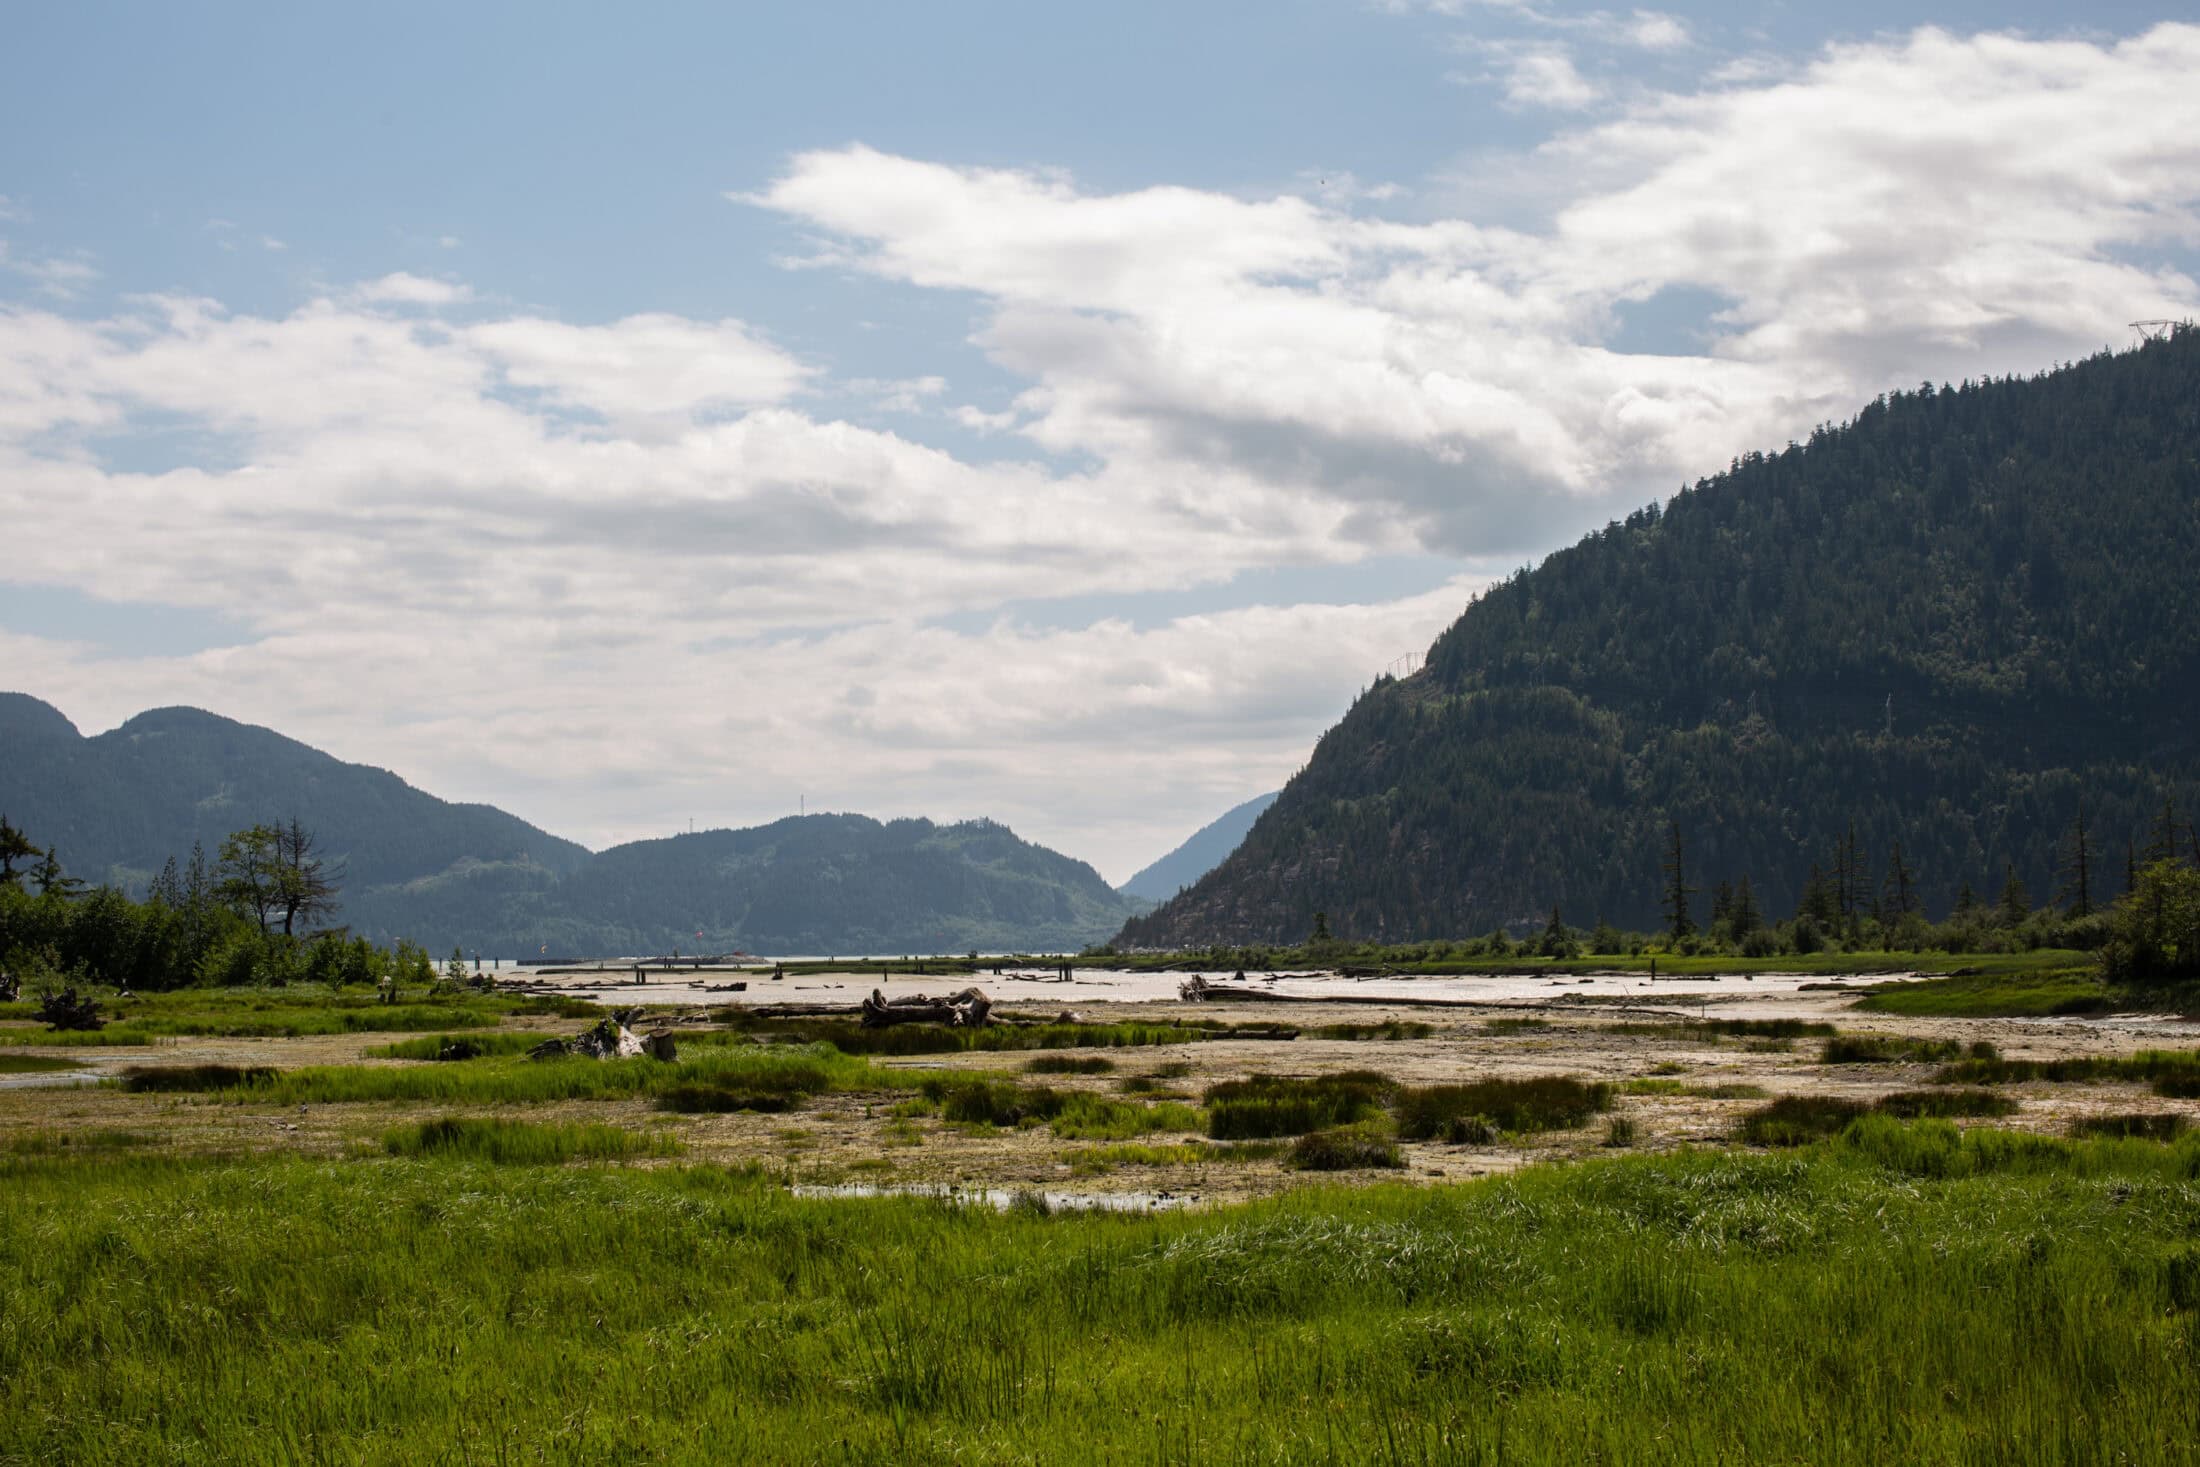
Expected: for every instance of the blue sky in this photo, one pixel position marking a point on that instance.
(875, 375)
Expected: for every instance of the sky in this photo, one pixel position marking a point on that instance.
(638, 415)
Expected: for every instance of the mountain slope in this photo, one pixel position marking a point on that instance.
(821, 884)
(1201, 852)
(1946, 623)
(118, 805)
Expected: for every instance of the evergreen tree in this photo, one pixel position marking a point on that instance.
(52, 880)
(1900, 887)
(1818, 902)
(15, 847)
(2131, 868)
(1966, 901)
(2016, 902)
(2077, 870)
(1557, 941)
(1677, 889)
(2162, 845)
(1746, 918)
(1722, 903)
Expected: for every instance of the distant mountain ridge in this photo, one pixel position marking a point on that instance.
(1202, 851)
(1953, 623)
(119, 804)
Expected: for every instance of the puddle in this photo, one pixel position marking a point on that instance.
(1003, 1198)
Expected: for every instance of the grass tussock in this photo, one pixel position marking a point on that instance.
(1542, 1103)
(1911, 1105)
(1514, 1026)
(1391, 1030)
(1798, 1120)
(1069, 1064)
(1894, 1049)
(1099, 1161)
(531, 1143)
(452, 1047)
(1362, 1147)
(36, 1064)
(2174, 1073)
(159, 1079)
(1712, 1031)
(1265, 1106)
(2135, 1125)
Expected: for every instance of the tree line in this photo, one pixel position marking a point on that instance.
(252, 914)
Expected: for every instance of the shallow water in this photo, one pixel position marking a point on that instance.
(1003, 1198)
(1100, 985)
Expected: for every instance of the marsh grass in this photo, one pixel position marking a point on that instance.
(451, 1047)
(1069, 1064)
(2145, 1126)
(1097, 1161)
(1796, 1120)
(1712, 1031)
(1264, 1106)
(1886, 1049)
(1514, 1026)
(1619, 1132)
(36, 1064)
(1361, 1147)
(528, 1142)
(2074, 989)
(1910, 1105)
(157, 1079)
(1089, 1117)
(2174, 1073)
(1906, 1293)
(1541, 1103)
(850, 1037)
(1392, 1030)
(288, 1013)
(511, 1080)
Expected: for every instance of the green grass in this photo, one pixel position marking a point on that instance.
(527, 1142)
(1088, 1117)
(1069, 1064)
(2173, 1072)
(2036, 994)
(1794, 1120)
(1712, 1031)
(1892, 1049)
(457, 1046)
(750, 1068)
(1393, 1029)
(287, 1013)
(1360, 1147)
(1265, 1106)
(850, 1037)
(1911, 1105)
(1903, 1294)
(36, 1064)
(2155, 1126)
(196, 1079)
(1543, 1103)
(1514, 1026)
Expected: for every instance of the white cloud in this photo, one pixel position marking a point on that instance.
(658, 513)
(61, 277)
(406, 289)
(270, 243)
(1544, 76)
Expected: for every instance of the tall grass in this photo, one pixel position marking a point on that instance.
(1541, 1103)
(2173, 1071)
(288, 1013)
(1906, 1294)
(531, 1142)
(1263, 1106)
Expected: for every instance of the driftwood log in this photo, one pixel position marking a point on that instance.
(64, 1010)
(609, 1039)
(969, 1009)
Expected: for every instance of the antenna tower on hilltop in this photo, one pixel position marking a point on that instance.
(2159, 329)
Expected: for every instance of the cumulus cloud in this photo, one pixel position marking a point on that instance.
(406, 289)
(656, 577)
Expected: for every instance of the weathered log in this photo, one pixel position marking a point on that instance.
(64, 1010)
(660, 1046)
(969, 1009)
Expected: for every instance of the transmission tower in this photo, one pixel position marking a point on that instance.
(2158, 330)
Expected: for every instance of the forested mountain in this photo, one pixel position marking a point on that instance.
(1953, 623)
(119, 804)
(1201, 852)
(115, 807)
(820, 884)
